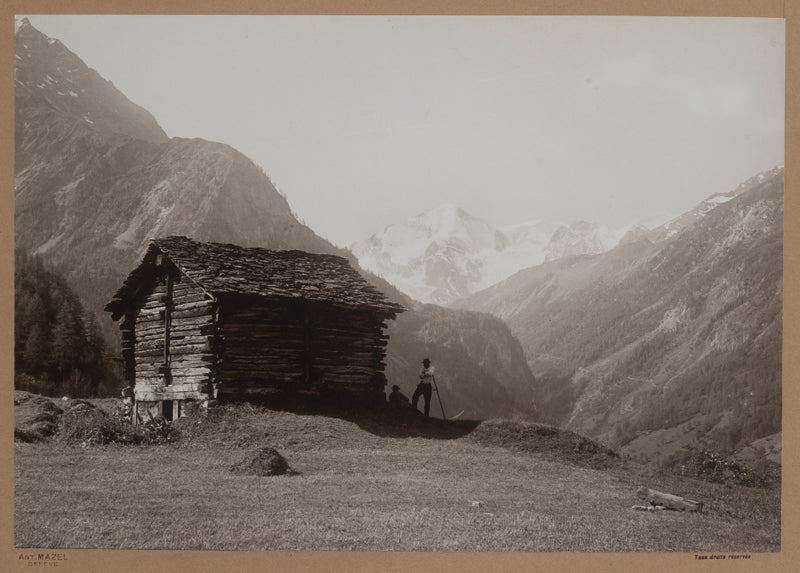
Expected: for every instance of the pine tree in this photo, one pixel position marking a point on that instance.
(68, 340)
(52, 342)
(36, 354)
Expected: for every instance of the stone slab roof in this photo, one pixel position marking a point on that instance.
(224, 269)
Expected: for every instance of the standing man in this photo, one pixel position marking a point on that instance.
(424, 388)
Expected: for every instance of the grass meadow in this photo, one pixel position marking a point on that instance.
(419, 485)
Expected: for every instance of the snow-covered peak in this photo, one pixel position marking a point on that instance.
(446, 253)
(445, 211)
(536, 231)
(20, 23)
(446, 224)
(449, 221)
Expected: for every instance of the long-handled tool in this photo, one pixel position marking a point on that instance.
(438, 396)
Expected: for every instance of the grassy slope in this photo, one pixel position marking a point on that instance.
(357, 490)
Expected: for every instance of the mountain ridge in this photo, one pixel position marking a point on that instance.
(641, 337)
(46, 69)
(446, 254)
(89, 196)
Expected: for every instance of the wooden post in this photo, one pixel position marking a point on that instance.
(307, 349)
(167, 311)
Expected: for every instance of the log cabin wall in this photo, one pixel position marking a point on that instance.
(297, 345)
(262, 344)
(349, 347)
(174, 351)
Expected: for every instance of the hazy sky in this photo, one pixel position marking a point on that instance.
(364, 121)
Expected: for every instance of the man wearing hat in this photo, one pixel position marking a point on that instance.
(424, 388)
(397, 399)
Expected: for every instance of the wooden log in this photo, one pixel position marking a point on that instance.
(175, 342)
(260, 369)
(180, 387)
(158, 309)
(182, 288)
(158, 369)
(261, 328)
(161, 292)
(151, 344)
(181, 350)
(176, 350)
(355, 372)
(180, 330)
(339, 381)
(264, 390)
(338, 357)
(175, 372)
(184, 338)
(260, 374)
(153, 321)
(153, 396)
(158, 372)
(203, 309)
(257, 314)
(263, 352)
(149, 341)
(265, 357)
(190, 305)
(192, 322)
(179, 377)
(189, 299)
(151, 309)
(276, 338)
(157, 329)
(668, 500)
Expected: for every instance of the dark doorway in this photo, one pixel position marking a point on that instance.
(166, 409)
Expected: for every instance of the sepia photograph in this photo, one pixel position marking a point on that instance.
(398, 283)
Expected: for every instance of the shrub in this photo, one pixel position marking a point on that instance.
(714, 467)
(85, 424)
(158, 431)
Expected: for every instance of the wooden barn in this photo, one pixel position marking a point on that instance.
(210, 321)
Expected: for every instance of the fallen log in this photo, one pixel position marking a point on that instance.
(656, 498)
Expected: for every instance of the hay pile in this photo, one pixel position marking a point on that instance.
(266, 462)
(80, 422)
(35, 417)
(83, 423)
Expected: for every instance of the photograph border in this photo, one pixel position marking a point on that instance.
(201, 561)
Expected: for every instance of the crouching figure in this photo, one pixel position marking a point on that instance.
(398, 400)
